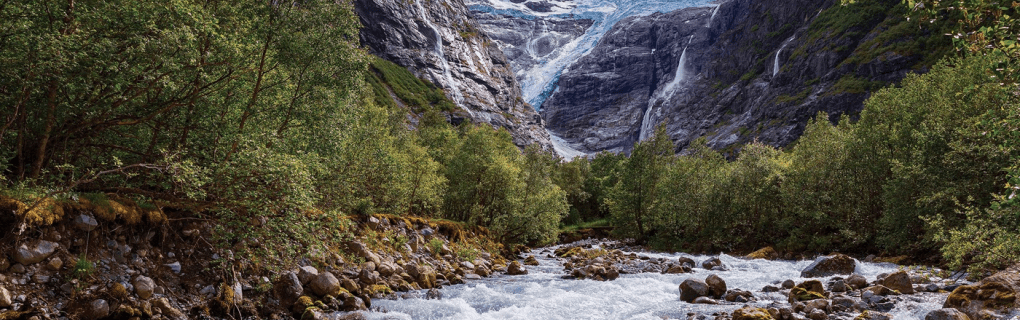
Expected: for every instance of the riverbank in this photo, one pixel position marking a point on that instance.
(86, 265)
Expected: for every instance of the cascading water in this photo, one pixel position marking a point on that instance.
(775, 67)
(709, 25)
(437, 48)
(664, 93)
(543, 294)
(538, 82)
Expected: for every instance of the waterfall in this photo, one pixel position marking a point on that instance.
(775, 67)
(458, 97)
(646, 123)
(709, 25)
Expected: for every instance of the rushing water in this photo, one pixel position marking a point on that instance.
(540, 81)
(543, 294)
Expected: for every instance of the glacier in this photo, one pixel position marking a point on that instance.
(538, 80)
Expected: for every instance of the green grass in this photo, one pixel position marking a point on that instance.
(795, 98)
(418, 94)
(604, 222)
(852, 84)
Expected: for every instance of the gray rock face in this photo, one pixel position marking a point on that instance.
(717, 80)
(691, 289)
(35, 251)
(439, 41)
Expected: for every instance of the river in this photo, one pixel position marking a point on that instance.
(543, 294)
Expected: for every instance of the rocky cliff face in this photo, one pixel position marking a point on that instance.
(744, 70)
(439, 41)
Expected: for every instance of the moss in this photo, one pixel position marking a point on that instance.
(380, 289)
(803, 94)
(11, 315)
(767, 253)
(801, 294)
(749, 313)
(118, 291)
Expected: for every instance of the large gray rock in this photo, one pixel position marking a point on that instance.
(989, 298)
(34, 251)
(306, 274)
(946, 314)
(716, 285)
(326, 284)
(691, 289)
(441, 42)
(829, 265)
(144, 286)
(898, 281)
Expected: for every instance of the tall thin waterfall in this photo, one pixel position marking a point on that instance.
(646, 123)
(458, 97)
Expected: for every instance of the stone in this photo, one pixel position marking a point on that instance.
(770, 288)
(711, 263)
(288, 288)
(842, 303)
(691, 289)
(174, 267)
(99, 309)
(306, 274)
(515, 268)
(326, 284)
(370, 266)
(685, 261)
(433, 294)
(5, 298)
(85, 222)
(838, 286)
(352, 303)
(483, 271)
(705, 300)
(531, 261)
(829, 265)
(362, 251)
(750, 313)
(737, 294)
(368, 277)
(857, 281)
(817, 314)
(55, 264)
(352, 286)
(880, 290)
(807, 290)
(18, 268)
(472, 276)
(994, 294)
(144, 286)
(789, 284)
(32, 252)
(386, 269)
(873, 315)
(946, 314)
(716, 286)
(898, 281)
(767, 253)
(677, 268)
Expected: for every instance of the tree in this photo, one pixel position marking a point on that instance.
(633, 198)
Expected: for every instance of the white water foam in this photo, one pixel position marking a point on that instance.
(709, 25)
(542, 294)
(663, 94)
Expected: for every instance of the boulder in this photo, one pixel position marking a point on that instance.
(716, 286)
(691, 289)
(806, 291)
(817, 314)
(326, 284)
(838, 285)
(531, 261)
(362, 251)
(99, 309)
(5, 298)
(767, 253)
(85, 222)
(829, 265)
(898, 281)
(750, 313)
(992, 295)
(685, 261)
(515, 268)
(32, 252)
(873, 315)
(857, 281)
(711, 263)
(288, 288)
(144, 286)
(946, 314)
(167, 310)
(737, 294)
(880, 290)
(306, 274)
(788, 284)
(677, 268)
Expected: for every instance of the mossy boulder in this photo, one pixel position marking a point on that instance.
(767, 253)
(829, 265)
(807, 290)
(993, 295)
(749, 313)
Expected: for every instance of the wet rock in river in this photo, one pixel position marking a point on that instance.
(898, 281)
(829, 265)
(691, 289)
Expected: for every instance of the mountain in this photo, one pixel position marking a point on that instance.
(440, 42)
(736, 72)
